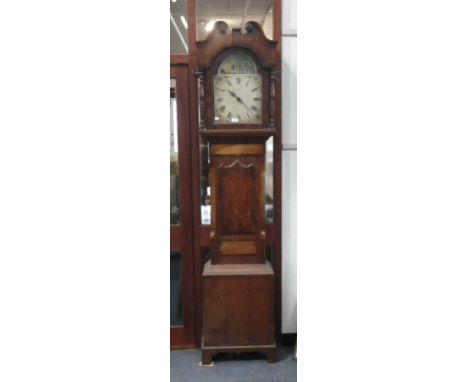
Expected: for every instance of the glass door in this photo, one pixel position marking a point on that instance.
(181, 251)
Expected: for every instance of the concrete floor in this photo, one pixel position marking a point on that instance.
(233, 368)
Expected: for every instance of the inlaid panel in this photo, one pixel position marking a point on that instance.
(237, 196)
(237, 149)
(236, 247)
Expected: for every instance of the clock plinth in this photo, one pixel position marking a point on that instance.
(238, 308)
(236, 99)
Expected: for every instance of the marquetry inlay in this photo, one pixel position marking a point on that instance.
(237, 198)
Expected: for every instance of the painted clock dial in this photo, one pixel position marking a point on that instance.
(237, 90)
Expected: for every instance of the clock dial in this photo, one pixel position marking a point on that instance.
(237, 92)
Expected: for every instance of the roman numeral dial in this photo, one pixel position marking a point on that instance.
(237, 98)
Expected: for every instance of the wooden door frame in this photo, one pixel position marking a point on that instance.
(182, 235)
(200, 236)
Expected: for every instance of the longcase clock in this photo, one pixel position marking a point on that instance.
(237, 81)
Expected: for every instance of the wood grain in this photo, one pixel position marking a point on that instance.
(238, 248)
(237, 149)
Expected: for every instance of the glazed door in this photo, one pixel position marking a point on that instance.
(181, 268)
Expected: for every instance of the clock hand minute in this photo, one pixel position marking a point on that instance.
(233, 94)
(238, 99)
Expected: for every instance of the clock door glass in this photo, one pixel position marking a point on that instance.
(237, 90)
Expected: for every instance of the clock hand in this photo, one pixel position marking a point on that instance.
(236, 97)
(243, 103)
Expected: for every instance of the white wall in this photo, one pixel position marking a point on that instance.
(289, 178)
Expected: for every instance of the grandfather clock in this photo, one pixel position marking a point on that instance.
(237, 81)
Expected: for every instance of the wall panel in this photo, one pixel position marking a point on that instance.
(289, 284)
(289, 16)
(289, 172)
(289, 88)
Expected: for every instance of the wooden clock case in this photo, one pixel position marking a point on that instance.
(238, 282)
